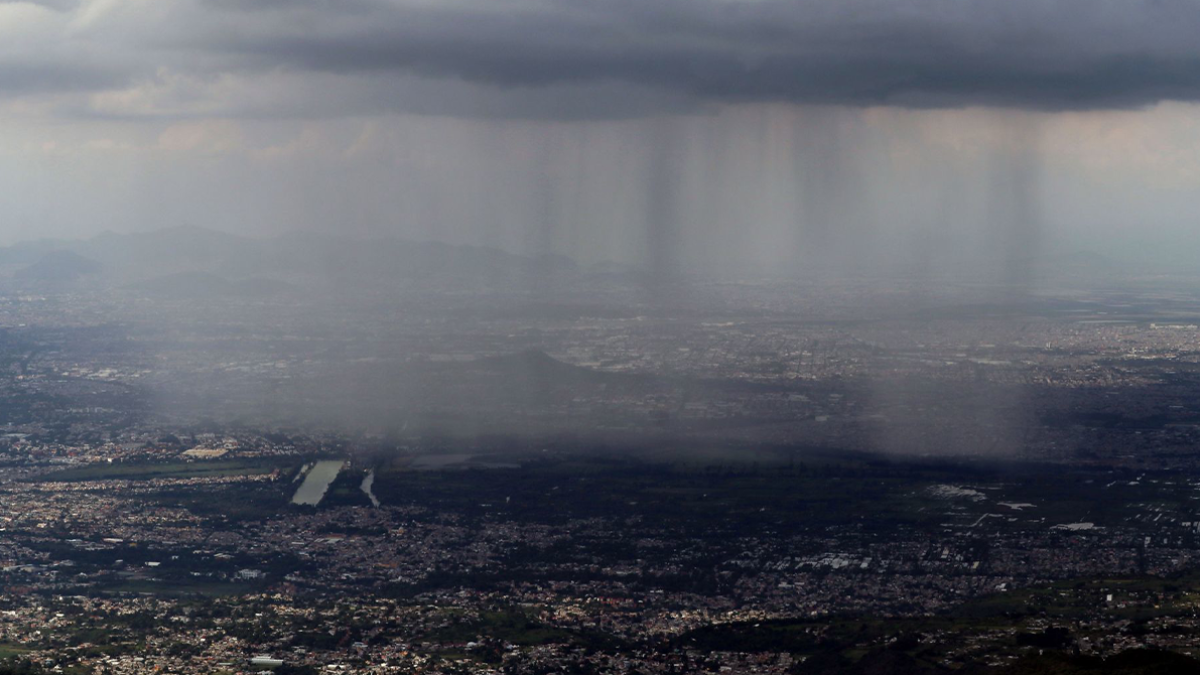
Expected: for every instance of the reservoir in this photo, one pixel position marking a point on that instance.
(367, 483)
(317, 481)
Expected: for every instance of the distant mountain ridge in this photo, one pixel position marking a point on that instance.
(296, 257)
(61, 266)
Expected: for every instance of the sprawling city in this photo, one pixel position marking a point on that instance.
(612, 337)
(783, 476)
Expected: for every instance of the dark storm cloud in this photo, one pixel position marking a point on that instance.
(1022, 53)
(656, 55)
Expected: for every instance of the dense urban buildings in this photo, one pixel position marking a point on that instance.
(780, 476)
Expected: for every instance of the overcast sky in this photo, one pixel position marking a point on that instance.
(697, 132)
